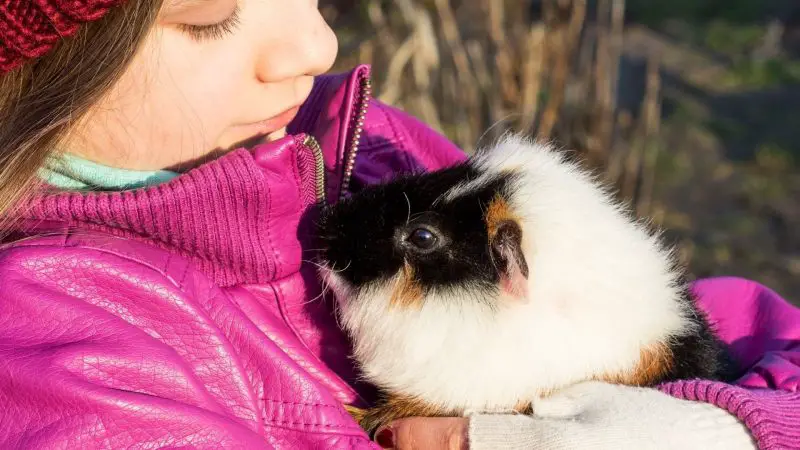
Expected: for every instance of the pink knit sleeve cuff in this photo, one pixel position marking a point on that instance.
(772, 416)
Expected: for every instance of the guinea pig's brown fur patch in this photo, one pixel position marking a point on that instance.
(655, 361)
(395, 407)
(497, 212)
(407, 292)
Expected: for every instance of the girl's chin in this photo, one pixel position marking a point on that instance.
(275, 135)
(253, 140)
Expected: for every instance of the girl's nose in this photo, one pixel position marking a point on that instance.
(308, 47)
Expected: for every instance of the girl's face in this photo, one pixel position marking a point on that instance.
(211, 74)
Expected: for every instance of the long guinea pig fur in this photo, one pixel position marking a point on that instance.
(486, 285)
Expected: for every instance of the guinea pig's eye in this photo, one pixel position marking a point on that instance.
(422, 238)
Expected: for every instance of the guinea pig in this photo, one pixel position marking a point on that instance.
(484, 286)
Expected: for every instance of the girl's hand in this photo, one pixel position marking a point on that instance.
(425, 433)
(591, 415)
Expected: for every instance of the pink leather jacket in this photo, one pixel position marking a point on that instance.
(184, 315)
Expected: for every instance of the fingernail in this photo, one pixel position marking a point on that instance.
(385, 438)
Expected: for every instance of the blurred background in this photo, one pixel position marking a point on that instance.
(691, 108)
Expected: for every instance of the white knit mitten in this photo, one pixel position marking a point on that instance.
(595, 415)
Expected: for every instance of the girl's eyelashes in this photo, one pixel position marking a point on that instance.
(214, 30)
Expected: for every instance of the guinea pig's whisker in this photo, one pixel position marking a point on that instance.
(408, 218)
(501, 121)
(337, 314)
(325, 290)
(321, 295)
(324, 283)
(314, 249)
(343, 269)
(321, 266)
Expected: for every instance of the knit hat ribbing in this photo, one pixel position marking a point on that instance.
(30, 28)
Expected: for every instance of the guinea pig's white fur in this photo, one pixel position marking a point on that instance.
(600, 288)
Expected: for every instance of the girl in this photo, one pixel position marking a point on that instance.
(153, 286)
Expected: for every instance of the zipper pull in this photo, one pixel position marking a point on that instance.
(319, 167)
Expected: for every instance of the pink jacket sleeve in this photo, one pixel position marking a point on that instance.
(100, 349)
(763, 332)
(90, 360)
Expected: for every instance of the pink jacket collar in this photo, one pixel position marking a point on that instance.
(236, 218)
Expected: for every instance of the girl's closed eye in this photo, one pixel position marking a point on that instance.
(203, 19)
(214, 30)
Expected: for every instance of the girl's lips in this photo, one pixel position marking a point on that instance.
(275, 123)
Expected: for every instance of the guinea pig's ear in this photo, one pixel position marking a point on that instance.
(505, 242)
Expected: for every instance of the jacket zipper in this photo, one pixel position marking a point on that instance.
(319, 167)
(362, 103)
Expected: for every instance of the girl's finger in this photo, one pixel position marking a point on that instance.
(417, 433)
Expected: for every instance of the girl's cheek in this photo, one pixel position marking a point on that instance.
(195, 95)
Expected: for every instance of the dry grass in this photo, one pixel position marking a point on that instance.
(475, 69)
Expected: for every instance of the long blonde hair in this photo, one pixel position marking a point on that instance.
(42, 100)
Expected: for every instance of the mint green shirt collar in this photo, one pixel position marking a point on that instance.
(71, 172)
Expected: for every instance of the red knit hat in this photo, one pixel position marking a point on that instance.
(30, 28)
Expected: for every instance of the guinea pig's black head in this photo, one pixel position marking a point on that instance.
(450, 231)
